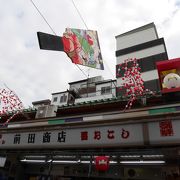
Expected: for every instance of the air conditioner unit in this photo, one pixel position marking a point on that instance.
(46, 111)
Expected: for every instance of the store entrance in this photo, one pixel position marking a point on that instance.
(144, 164)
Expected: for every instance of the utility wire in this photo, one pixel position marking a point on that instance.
(87, 76)
(52, 28)
(81, 17)
(111, 73)
(43, 16)
(55, 33)
(87, 29)
(79, 14)
(82, 71)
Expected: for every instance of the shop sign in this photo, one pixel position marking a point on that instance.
(119, 135)
(102, 163)
(164, 132)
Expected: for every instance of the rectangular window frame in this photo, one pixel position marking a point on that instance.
(106, 90)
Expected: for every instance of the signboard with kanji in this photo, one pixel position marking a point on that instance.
(164, 132)
(119, 135)
(157, 133)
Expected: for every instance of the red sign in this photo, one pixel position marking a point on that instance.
(169, 75)
(84, 135)
(102, 163)
(166, 128)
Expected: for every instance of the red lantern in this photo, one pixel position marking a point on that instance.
(102, 163)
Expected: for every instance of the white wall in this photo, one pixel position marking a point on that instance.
(77, 85)
(98, 95)
(79, 100)
(146, 76)
(131, 39)
(91, 82)
(58, 99)
(142, 53)
(89, 95)
(111, 84)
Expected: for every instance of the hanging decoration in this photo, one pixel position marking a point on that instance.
(81, 46)
(132, 81)
(9, 102)
(102, 163)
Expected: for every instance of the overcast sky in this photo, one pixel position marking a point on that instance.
(34, 74)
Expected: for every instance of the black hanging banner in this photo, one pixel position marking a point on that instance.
(50, 42)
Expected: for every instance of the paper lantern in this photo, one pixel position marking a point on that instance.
(102, 163)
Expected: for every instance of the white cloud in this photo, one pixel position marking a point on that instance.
(34, 74)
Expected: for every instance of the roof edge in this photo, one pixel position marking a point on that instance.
(150, 25)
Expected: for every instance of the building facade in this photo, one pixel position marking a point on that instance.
(61, 138)
(143, 44)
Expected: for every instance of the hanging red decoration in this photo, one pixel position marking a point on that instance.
(132, 81)
(102, 163)
(9, 102)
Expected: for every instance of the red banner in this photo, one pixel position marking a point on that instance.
(169, 75)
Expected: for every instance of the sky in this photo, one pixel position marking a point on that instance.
(35, 74)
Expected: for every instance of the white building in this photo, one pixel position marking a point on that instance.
(143, 44)
(59, 98)
(91, 89)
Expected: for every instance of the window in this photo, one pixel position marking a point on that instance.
(63, 98)
(106, 90)
(83, 85)
(55, 99)
(152, 85)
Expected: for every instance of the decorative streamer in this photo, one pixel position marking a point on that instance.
(9, 102)
(132, 81)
